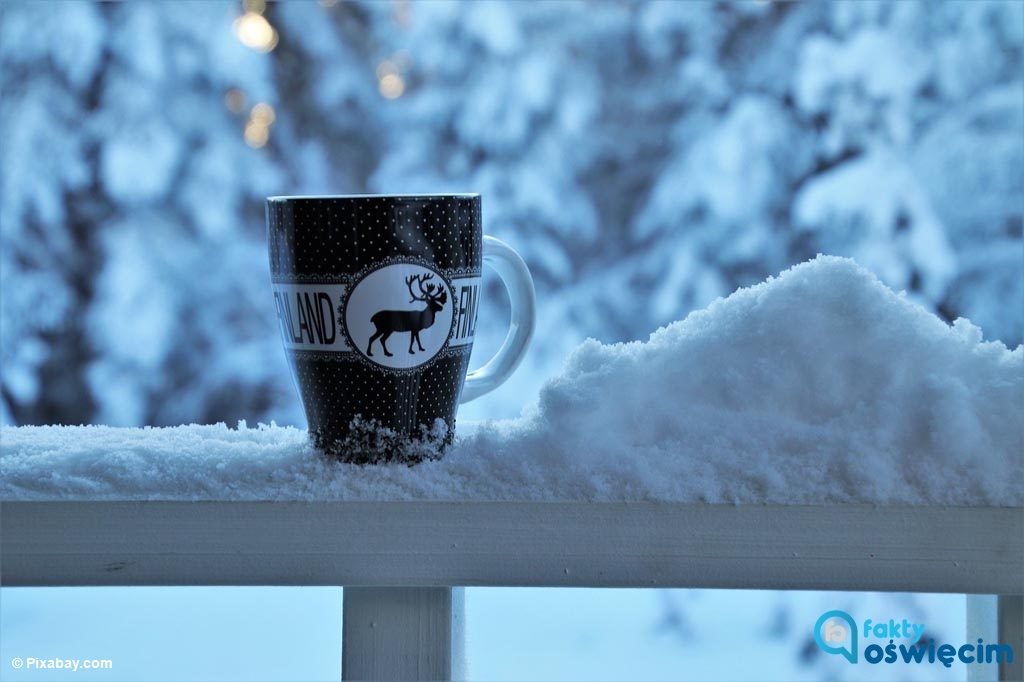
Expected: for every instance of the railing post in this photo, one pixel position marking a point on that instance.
(402, 633)
(1010, 620)
(981, 622)
(997, 619)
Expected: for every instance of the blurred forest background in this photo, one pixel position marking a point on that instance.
(644, 158)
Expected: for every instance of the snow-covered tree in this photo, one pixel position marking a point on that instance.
(644, 157)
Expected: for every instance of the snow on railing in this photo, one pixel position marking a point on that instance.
(818, 386)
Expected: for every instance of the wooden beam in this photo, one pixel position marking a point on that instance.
(439, 544)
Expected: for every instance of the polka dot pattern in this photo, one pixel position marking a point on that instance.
(332, 240)
(325, 239)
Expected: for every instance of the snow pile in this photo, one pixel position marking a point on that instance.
(821, 385)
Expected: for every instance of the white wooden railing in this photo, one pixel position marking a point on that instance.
(403, 563)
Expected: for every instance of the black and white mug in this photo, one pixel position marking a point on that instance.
(377, 300)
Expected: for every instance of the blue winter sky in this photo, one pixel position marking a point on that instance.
(644, 157)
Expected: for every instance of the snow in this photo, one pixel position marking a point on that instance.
(864, 62)
(140, 165)
(820, 385)
(835, 201)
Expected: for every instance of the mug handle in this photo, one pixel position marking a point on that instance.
(519, 284)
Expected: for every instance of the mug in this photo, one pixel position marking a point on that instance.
(377, 299)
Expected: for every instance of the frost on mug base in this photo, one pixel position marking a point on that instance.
(376, 299)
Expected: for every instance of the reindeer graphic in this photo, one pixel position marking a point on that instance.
(387, 322)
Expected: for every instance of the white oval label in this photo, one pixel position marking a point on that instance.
(400, 316)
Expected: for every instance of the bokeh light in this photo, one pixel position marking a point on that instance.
(391, 86)
(256, 134)
(234, 100)
(254, 31)
(263, 113)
